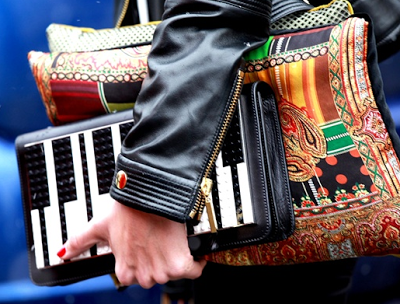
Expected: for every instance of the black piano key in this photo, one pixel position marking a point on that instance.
(215, 197)
(39, 190)
(124, 129)
(37, 175)
(232, 151)
(44, 238)
(88, 199)
(64, 168)
(65, 178)
(232, 154)
(236, 194)
(105, 161)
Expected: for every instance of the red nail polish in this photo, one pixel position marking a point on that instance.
(62, 252)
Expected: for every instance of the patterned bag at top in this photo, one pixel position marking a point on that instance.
(340, 142)
(76, 85)
(91, 72)
(80, 85)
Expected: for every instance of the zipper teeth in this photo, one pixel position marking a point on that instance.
(221, 137)
(226, 123)
(123, 13)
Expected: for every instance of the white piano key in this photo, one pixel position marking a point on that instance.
(226, 195)
(204, 224)
(116, 139)
(75, 211)
(244, 185)
(100, 203)
(37, 238)
(52, 213)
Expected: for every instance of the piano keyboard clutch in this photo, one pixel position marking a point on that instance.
(67, 172)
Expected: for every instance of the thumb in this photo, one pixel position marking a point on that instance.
(79, 243)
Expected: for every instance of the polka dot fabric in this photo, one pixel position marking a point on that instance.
(64, 38)
(333, 13)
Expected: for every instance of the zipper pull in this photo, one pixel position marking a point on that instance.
(204, 198)
(206, 187)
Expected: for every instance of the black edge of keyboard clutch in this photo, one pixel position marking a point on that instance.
(67, 273)
(268, 178)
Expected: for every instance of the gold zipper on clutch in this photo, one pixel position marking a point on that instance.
(123, 13)
(204, 198)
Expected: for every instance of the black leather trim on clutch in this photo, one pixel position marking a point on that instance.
(268, 178)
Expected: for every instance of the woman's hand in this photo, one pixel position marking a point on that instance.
(148, 249)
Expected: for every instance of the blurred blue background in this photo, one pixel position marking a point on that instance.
(22, 29)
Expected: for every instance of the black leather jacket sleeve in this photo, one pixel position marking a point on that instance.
(196, 53)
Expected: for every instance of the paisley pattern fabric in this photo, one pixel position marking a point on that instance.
(80, 85)
(344, 171)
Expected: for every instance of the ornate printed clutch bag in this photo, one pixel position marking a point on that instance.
(340, 142)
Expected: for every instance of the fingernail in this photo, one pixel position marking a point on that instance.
(62, 252)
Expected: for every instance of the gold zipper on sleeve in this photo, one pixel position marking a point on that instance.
(123, 13)
(204, 198)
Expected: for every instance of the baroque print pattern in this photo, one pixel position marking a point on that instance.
(344, 172)
(357, 108)
(80, 85)
(121, 65)
(304, 142)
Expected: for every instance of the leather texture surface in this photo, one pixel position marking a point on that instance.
(281, 8)
(179, 111)
(269, 181)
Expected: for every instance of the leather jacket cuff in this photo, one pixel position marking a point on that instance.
(152, 190)
(193, 68)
